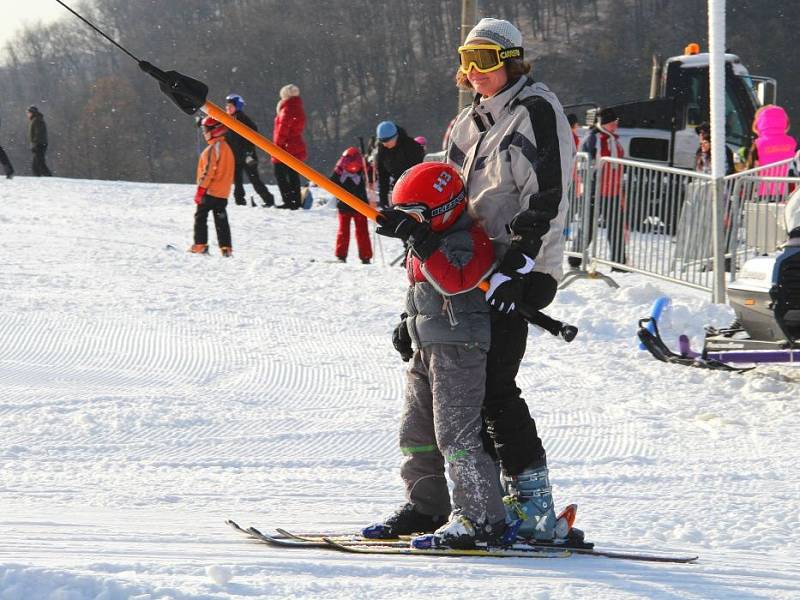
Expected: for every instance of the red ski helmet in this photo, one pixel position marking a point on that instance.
(351, 160)
(212, 126)
(432, 192)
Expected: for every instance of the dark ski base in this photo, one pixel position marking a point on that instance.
(346, 542)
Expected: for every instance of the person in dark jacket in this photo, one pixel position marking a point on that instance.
(288, 134)
(350, 174)
(37, 136)
(396, 153)
(4, 160)
(244, 153)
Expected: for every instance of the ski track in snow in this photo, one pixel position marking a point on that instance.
(147, 394)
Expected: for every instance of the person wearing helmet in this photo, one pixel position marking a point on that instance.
(444, 332)
(37, 136)
(350, 173)
(396, 153)
(214, 181)
(244, 153)
(514, 147)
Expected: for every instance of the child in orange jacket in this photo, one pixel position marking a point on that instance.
(214, 181)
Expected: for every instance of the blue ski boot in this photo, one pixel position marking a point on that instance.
(529, 505)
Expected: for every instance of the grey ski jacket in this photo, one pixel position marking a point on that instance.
(515, 151)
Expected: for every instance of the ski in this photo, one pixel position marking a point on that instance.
(587, 549)
(257, 535)
(515, 551)
(338, 541)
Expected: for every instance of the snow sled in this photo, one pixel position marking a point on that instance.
(307, 200)
(766, 300)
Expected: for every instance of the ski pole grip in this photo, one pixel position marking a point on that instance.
(560, 329)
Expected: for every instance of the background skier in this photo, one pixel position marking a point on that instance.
(4, 160)
(288, 134)
(214, 180)
(244, 153)
(37, 137)
(396, 153)
(349, 173)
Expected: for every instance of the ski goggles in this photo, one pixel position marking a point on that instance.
(486, 58)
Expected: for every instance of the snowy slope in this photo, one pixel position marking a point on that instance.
(147, 394)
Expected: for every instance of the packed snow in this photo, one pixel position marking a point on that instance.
(147, 394)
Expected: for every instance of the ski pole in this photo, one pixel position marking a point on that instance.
(190, 95)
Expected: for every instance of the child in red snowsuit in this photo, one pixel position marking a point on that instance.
(349, 173)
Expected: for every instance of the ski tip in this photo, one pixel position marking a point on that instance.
(569, 514)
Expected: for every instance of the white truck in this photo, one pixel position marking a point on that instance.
(661, 129)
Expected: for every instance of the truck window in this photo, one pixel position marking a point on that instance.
(649, 149)
(739, 111)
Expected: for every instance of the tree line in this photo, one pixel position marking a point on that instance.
(356, 62)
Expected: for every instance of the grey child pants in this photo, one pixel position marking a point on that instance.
(442, 422)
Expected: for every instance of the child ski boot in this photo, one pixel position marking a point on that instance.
(461, 533)
(226, 251)
(404, 521)
(199, 249)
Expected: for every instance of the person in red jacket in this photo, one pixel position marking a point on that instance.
(603, 140)
(288, 134)
(350, 174)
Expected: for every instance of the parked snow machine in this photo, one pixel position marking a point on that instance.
(766, 300)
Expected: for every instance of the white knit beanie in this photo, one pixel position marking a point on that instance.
(498, 31)
(289, 90)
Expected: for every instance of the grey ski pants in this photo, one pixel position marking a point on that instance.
(442, 422)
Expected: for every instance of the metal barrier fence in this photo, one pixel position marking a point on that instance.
(657, 220)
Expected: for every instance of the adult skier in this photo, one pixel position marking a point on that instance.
(290, 121)
(4, 160)
(514, 148)
(244, 153)
(396, 153)
(37, 137)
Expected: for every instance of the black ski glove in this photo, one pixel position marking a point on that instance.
(422, 240)
(395, 223)
(506, 285)
(401, 340)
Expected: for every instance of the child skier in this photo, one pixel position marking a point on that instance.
(448, 321)
(349, 173)
(214, 181)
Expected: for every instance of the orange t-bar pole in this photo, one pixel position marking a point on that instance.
(271, 148)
